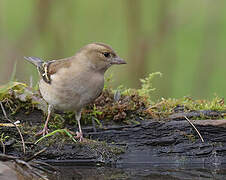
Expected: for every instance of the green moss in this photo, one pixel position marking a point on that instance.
(107, 110)
(166, 107)
(190, 137)
(118, 175)
(60, 137)
(57, 122)
(104, 148)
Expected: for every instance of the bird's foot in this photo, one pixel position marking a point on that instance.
(43, 132)
(79, 136)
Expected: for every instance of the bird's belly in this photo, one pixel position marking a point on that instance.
(70, 96)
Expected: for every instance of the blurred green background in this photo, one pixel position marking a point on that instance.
(185, 40)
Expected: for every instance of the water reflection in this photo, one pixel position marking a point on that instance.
(154, 172)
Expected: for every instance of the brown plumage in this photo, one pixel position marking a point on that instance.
(71, 83)
(58, 64)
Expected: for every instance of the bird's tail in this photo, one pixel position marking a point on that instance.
(35, 60)
(42, 67)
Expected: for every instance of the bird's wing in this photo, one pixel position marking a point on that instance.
(46, 69)
(56, 65)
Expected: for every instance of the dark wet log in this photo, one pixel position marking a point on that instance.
(152, 141)
(168, 142)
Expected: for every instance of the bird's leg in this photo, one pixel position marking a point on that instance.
(79, 134)
(45, 129)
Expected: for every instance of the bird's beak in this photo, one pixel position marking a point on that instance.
(118, 60)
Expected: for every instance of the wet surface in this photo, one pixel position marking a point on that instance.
(142, 171)
(132, 171)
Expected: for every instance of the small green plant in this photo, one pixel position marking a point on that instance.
(108, 81)
(2, 140)
(65, 131)
(144, 91)
(146, 85)
(95, 114)
(3, 137)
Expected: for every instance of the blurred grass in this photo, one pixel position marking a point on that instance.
(184, 40)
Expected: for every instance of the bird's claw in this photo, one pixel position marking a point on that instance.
(43, 132)
(79, 136)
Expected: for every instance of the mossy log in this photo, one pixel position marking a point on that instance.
(126, 129)
(149, 141)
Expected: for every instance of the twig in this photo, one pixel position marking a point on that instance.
(44, 169)
(31, 166)
(4, 157)
(36, 154)
(194, 128)
(41, 169)
(52, 168)
(18, 161)
(21, 136)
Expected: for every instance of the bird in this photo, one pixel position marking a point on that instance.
(69, 84)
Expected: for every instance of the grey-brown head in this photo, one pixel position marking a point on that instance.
(101, 56)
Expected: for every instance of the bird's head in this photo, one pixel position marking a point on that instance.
(100, 56)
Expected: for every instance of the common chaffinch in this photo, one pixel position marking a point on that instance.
(69, 84)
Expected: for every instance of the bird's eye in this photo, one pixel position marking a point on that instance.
(106, 54)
